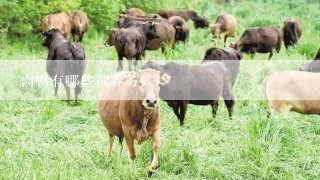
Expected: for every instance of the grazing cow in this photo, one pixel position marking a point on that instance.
(229, 56)
(262, 40)
(180, 25)
(291, 32)
(57, 21)
(314, 66)
(65, 61)
(199, 22)
(132, 111)
(131, 42)
(164, 28)
(80, 24)
(195, 84)
(292, 90)
(134, 12)
(225, 26)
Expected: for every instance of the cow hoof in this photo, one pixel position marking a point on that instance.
(152, 170)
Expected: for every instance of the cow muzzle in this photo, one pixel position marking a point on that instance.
(150, 103)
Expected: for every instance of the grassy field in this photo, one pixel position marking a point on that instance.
(49, 140)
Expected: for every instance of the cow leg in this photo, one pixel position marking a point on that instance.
(229, 100)
(156, 136)
(214, 106)
(120, 62)
(55, 84)
(271, 54)
(67, 88)
(130, 63)
(176, 111)
(183, 110)
(130, 145)
(120, 141)
(111, 140)
(81, 36)
(225, 41)
(138, 57)
(78, 87)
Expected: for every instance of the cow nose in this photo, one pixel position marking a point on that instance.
(151, 102)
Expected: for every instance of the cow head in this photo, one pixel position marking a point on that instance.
(112, 37)
(49, 36)
(201, 22)
(215, 29)
(148, 81)
(150, 29)
(236, 46)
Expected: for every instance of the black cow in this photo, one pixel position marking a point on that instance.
(199, 22)
(65, 62)
(262, 40)
(314, 66)
(195, 84)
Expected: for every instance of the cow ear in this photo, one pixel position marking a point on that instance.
(165, 79)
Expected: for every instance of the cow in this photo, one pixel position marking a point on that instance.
(132, 42)
(262, 40)
(229, 56)
(130, 110)
(80, 24)
(111, 41)
(225, 26)
(291, 32)
(59, 21)
(182, 30)
(199, 22)
(292, 90)
(164, 28)
(195, 84)
(314, 66)
(134, 12)
(65, 62)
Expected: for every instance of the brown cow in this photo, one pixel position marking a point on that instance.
(199, 22)
(164, 28)
(292, 90)
(132, 42)
(225, 26)
(80, 24)
(291, 32)
(132, 111)
(59, 21)
(134, 12)
(180, 25)
(262, 40)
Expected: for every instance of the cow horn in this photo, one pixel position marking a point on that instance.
(145, 22)
(154, 23)
(178, 27)
(49, 28)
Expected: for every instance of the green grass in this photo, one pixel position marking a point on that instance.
(49, 140)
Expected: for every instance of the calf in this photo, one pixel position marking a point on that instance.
(80, 24)
(131, 42)
(292, 90)
(262, 40)
(291, 32)
(180, 25)
(59, 21)
(225, 26)
(195, 84)
(199, 22)
(65, 61)
(131, 110)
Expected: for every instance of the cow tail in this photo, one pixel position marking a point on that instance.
(294, 28)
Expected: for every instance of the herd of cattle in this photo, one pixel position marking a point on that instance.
(176, 83)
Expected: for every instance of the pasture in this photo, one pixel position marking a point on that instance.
(50, 140)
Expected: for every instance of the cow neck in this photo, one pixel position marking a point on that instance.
(57, 41)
